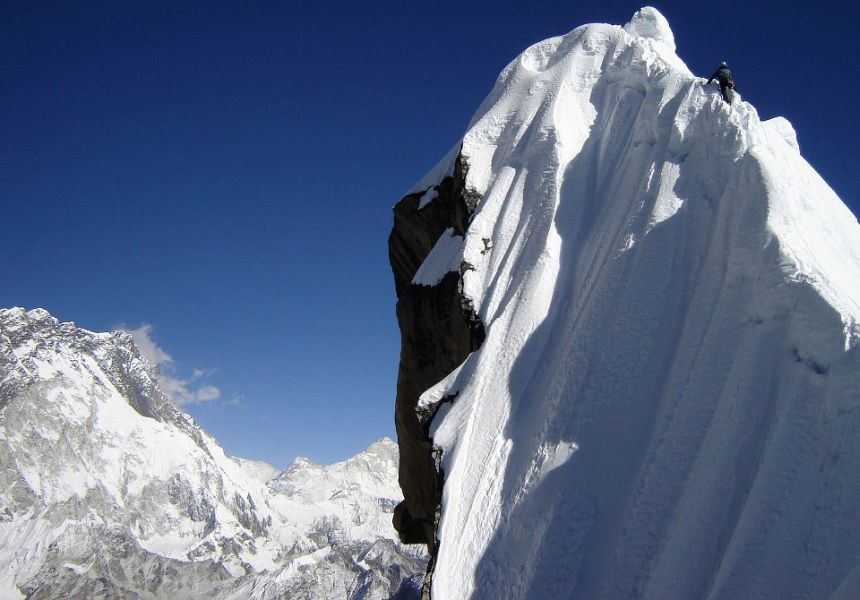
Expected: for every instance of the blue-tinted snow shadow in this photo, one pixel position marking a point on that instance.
(593, 372)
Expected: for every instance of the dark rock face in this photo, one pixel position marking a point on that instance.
(438, 331)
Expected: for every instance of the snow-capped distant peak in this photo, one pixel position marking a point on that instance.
(106, 484)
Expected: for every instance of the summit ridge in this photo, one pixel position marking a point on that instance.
(663, 400)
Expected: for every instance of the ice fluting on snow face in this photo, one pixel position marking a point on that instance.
(665, 402)
(108, 489)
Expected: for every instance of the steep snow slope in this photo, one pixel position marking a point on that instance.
(106, 488)
(667, 401)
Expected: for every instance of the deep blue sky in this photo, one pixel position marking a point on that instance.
(225, 172)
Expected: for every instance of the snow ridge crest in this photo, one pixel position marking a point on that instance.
(671, 297)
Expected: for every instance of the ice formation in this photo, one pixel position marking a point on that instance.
(667, 401)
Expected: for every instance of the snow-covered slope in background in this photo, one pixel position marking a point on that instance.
(107, 488)
(667, 402)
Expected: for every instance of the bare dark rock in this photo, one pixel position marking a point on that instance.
(438, 331)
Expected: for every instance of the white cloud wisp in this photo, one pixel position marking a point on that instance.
(182, 391)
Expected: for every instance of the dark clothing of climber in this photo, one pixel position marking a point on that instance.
(724, 76)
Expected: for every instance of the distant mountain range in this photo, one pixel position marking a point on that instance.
(108, 490)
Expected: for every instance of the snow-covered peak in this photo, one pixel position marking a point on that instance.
(648, 22)
(385, 448)
(554, 89)
(37, 347)
(370, 471)
(100, 474)
(39, 323)
(87, 425)
(612, 93)
(671, 299)
(38, 327)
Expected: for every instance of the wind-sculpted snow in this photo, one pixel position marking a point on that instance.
(667, 401)
(107, 489)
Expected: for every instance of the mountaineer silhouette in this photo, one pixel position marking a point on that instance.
(724, 76)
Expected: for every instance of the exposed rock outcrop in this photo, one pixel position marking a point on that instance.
(438, 331)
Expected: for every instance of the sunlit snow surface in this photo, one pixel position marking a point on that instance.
(667, 403)
(107, 489)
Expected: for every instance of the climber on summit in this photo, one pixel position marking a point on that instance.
(724, 75)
